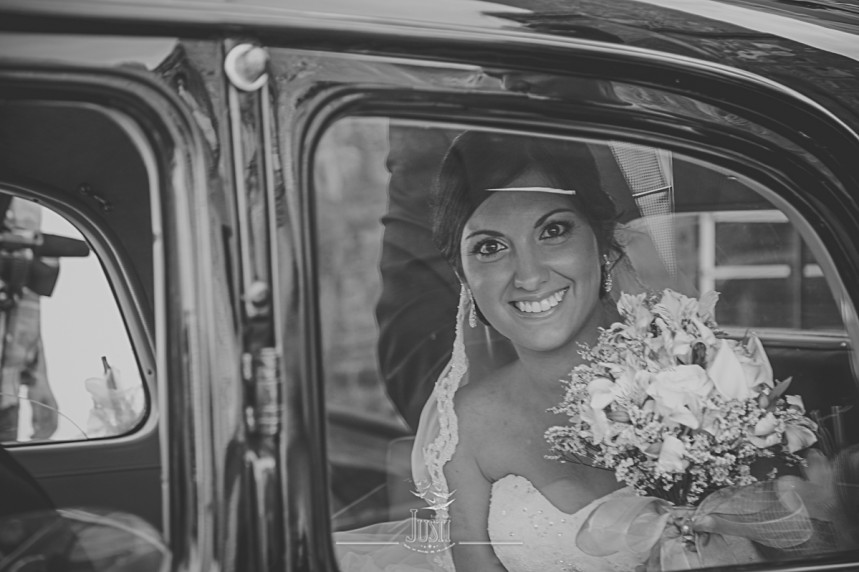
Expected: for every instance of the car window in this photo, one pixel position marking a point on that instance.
(724, 236)
(388, 299)
(68, 367)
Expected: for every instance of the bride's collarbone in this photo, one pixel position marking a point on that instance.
(571, 491)
(494, 417)
(513, 443)
(518, 447)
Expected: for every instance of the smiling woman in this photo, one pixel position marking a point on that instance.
(532, 251)
(539, 238)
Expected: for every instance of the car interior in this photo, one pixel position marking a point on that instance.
(76, 159)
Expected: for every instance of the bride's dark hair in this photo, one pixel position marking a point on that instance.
(480, 160)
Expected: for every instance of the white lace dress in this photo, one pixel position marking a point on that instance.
(529, 534)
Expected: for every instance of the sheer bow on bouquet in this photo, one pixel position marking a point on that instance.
(681, 415)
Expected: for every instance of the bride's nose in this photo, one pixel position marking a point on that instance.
(530, 271)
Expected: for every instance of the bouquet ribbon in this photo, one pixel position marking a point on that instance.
(720, 531)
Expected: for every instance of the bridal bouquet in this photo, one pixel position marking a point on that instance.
(680, 414)
(676, 411)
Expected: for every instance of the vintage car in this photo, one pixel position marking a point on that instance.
(221, 308)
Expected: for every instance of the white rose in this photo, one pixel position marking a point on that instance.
(671, 456)
(679, 392)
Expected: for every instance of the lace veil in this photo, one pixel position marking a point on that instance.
(438, 434)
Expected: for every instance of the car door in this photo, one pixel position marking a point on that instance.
(282, 172)
(719, 185)
(97, 139)
(85, 449)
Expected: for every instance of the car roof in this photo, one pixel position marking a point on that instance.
(811, 46)
(788, 17)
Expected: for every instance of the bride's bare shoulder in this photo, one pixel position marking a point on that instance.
(481, 403)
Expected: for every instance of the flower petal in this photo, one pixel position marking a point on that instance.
(766, 425)
(798, 437)
(757, 364)
(707, 304)
(601, 391)
(795, 401)
(671, 456)
(727, 373)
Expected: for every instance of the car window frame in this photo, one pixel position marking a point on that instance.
(128, 293)
(450, 108)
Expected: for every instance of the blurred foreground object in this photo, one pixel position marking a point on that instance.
(23, 278)
(73, 540)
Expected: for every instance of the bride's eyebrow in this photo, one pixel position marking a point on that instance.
(486, 232)
(537, 224)
(546, 216)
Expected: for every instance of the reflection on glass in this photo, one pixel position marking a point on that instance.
(68, 369)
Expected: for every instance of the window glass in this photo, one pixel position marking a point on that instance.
(546, 265)
(68, 368)
(759, 262)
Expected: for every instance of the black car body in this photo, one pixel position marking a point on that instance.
(194, 182)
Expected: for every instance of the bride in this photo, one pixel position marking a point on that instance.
(531, 234)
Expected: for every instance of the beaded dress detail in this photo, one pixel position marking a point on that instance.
(531, 535)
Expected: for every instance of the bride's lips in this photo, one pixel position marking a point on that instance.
(541, 306)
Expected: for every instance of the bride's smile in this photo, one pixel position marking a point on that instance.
(539, 306)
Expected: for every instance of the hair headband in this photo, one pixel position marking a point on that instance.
(538, 189)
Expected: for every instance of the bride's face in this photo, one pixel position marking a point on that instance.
(533, 265)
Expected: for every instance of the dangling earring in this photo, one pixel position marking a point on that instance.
(607, 282)
(472, 314)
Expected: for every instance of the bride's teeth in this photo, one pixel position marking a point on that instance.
(542, 305)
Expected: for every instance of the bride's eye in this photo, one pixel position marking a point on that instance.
(488, 249)
(555, 230)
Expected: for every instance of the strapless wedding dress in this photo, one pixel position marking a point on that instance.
(529, 534)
